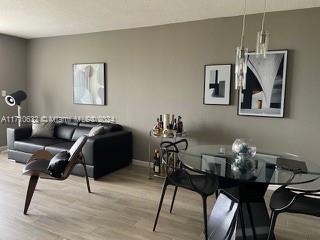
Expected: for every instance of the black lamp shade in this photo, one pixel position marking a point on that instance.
(16, 98)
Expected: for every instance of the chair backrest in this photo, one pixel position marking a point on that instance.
(75, 155)
(169, 151)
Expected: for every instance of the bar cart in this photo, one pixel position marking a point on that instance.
(159, 138)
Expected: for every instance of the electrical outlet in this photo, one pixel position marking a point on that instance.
(3, 93)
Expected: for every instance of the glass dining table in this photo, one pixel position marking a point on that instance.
(249, 187)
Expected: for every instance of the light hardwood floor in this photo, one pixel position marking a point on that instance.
(122, 206)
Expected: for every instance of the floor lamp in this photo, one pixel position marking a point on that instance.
(15, 99)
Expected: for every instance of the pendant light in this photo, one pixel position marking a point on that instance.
(241, 58)
(263, 36)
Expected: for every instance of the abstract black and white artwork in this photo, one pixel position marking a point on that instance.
(217, 84)
(264, 94)
(89, 83)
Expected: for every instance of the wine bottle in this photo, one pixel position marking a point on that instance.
(163, 169)
(161, 122)
(175, 125)
(172, 121)
(180, 125)
(156, 162)
(156, 129)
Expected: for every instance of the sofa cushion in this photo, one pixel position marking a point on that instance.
(108, 127)
(59, 147)
(96, 130)
(64, 131)
(33, 144)
(80, 131)
(43, 129)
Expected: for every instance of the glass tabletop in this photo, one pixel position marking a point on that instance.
(271, 168)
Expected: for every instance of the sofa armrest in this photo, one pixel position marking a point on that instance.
(108, 152)
(18, 133)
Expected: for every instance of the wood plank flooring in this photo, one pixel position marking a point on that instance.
(122, 206)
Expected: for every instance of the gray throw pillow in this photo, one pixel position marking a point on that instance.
(58, 163)
(45, 129)
(96, 130)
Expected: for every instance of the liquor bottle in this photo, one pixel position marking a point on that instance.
(171, 122)
(166, 121)
(156, 162)
(163, 169)
(156, 129)
(175, 125)
(180, 125)
(161, 122)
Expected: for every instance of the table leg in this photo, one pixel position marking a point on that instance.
(253, 218)
(257, 225)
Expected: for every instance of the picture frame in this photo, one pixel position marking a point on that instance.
(217, 84)
(214, 163)
(265, 91)
(89, 83)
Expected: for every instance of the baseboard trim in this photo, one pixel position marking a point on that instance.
(3, 148)
(140, 163)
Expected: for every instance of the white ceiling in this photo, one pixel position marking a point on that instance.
(43, 18)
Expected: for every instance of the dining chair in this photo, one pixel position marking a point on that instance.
(37, 167)
(184, 177)
(293, 200)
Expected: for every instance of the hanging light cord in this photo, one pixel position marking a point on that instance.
(264, 15)
(243, 23)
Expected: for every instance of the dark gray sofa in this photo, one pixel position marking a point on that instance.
(103, 153)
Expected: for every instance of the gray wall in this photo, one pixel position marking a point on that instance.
(13, 56)
(160, 70)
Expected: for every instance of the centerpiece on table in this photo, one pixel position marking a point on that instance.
(244, 150)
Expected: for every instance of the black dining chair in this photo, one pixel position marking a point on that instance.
(292, 200)
(184, 177)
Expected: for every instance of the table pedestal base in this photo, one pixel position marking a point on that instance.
(253, 218)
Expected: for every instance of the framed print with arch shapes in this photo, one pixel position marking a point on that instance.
(264, 95)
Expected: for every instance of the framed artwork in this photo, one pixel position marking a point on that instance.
(264, 95)
(89, 83)
(213, 164)
(216, 90)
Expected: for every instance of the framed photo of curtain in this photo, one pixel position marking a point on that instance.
(264, 95)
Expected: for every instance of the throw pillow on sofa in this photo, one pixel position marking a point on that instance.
(58, 163)
(96, 130)
(45, 129)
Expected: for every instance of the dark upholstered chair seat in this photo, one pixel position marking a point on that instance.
(303, 204)
(30, 145)
(207, 185)
(59, 147)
